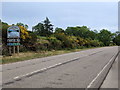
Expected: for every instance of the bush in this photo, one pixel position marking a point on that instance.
(66, 42)
(74, 41)
(81, 41)
(94, 43)
(54, 43)
(24, 49)
(5, 50)
(29, 42)
(42, 44)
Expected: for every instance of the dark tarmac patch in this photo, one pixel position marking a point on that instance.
(66, 74)
(56, 83)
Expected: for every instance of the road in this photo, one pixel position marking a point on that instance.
(111, 80)
(72, 70)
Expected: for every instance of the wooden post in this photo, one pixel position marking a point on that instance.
(10, 50)
(18, 49)
(13, 49)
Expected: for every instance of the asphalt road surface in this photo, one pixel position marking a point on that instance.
(78, 71)
(111, 80)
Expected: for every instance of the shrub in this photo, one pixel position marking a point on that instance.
(5, 49)
(94, 43)
(81, 41)
(54, 43)
(42, 44)
(66, 42)
(73, 41)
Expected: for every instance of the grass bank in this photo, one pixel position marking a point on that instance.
(32, 55)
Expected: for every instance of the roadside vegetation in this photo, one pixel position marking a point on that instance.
(45, 39)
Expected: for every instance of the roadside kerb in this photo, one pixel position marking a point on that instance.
(98, 80)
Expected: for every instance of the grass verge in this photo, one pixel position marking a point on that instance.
(32, 55)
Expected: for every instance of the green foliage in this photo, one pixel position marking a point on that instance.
(42, 37)
(4, 38)
(43, 29)
(41, 44)
(74, 42)
(116, 40)
(59, 30)
(4, 32)
(21, 24)
(28, 38)
(83, 32)
(81, 41)
(39, 29)
(105, 37)
(5, 49)
(54, 43)
(95, 43)
(29, 42)
(66, 42)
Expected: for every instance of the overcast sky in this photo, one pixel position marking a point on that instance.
(95, 15)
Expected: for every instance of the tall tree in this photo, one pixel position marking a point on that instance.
(39, 29)
(48, 27)
(43, 29)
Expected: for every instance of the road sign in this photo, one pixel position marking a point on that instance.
(13, 44)
(13, 38)
(13, 32)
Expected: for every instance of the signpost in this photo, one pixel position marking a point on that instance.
(13, 39)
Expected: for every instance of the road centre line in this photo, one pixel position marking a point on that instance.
(45, 69)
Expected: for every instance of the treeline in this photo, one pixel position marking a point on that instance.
(44, 37)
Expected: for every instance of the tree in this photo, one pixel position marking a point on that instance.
(4, 32)
(43, 29)
(72, 31)
(105, 36)
(116, 39)
(83, 32)
(59, 30)
(21, 24)
(39, 29)
(47, 25)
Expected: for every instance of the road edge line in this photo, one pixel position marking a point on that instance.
(108, 65)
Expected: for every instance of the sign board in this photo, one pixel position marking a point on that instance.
(13, 36)
(13, 40)
(13, 44)
(13, 32)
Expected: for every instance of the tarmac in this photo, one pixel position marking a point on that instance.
(112, 80)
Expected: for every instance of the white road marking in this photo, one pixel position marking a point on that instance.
(49, 67)
(43, 69)
(112, 59)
